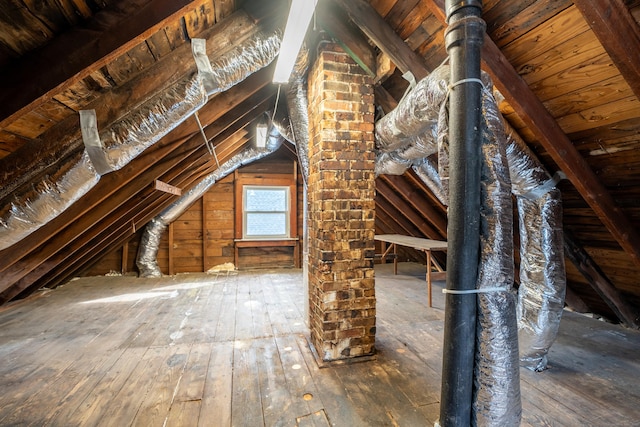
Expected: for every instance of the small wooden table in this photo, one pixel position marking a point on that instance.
(426, 245)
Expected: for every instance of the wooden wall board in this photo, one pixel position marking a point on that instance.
(271, 257)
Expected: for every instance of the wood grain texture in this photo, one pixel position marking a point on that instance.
(229, 350)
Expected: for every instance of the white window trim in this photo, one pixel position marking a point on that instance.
(287, 212)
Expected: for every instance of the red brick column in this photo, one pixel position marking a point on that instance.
(341, 192)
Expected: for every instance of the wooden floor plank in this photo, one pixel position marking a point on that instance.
(194, 349)
(226, 322)
(218, 388)
(247, 399)
(158, 397)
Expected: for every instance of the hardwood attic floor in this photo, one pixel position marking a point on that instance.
(198, 350)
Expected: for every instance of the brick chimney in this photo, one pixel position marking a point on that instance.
(341, 207)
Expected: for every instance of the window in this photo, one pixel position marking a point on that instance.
(265, 212)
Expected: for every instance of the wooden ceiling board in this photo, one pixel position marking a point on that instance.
(531, 17)
(413, 20)
(538, 41)
(601, 115)
(548, 42)
(383, 7)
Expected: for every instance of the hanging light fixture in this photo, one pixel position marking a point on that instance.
(297, 23)
(261, 135)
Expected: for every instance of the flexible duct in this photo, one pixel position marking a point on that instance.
(496, 391)
(298, 106)
(428, 173)
(150, 241)
(128, 137)
(542, 270)
(496, 379)
(122, 141)
(233, 67)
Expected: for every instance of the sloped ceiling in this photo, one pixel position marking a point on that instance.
(569, 73)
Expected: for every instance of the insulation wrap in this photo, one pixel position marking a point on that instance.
(130, 136)
(542, 269)
(150, 241)
(415, 116)
(428, 173)
(54, 196)
(238, 64)
(296, 96)
(496, 380)
(408, 135)
(121, 142)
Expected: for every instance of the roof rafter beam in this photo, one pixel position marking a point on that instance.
(110, 33)
(527, 106)
(619, 34)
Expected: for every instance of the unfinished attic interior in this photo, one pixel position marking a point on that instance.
(430, 217)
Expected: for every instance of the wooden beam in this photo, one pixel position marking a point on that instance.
(417, 200)
(547, 131)
(406, 211)
(372, 24)
(352, 41)
(619, 34)
(110, 33)
(125, 258)
(65, 137)
(103, 195)
(412, 177)
(626, 313)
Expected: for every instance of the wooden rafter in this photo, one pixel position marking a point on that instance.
(47, 241)
(114, 31)
(601, 284)
(618, 33)
(528, 107)
(403, 210)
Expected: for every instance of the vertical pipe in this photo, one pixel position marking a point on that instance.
(464, 42)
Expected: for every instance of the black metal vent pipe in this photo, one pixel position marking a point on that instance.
(463, 38)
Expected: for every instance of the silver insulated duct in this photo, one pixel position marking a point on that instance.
(542, 269)
(497, 378)
(420, 120)
(150, 241)
(107, 151)
(111, 148)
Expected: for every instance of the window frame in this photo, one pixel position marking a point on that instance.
(286, 189)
